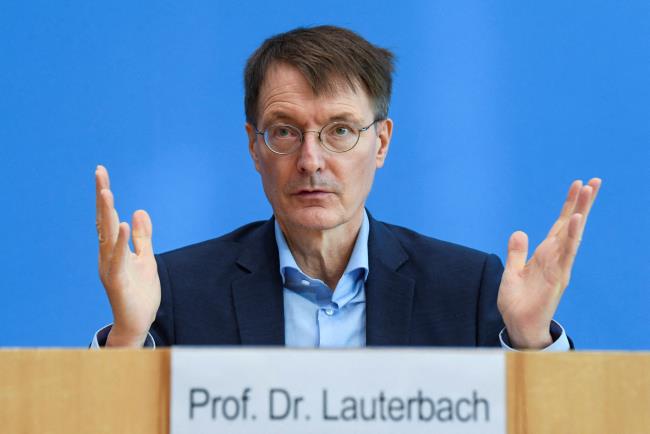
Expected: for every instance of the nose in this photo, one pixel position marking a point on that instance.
(310, 155)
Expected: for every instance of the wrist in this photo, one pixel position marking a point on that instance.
(529, 339)
(119, 338)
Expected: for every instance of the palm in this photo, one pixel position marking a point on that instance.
(134, 291)
(531, 290)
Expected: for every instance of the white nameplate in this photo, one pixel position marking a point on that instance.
(285, 391)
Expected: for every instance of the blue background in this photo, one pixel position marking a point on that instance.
(498, 106)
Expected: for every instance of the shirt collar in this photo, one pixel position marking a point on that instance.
(358, 258)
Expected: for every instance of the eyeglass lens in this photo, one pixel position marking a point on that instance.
(337, 136)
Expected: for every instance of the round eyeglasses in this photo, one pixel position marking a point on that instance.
(337, 137)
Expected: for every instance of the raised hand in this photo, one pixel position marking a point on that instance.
(130, 279)
(531, 290)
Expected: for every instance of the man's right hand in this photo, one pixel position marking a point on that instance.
(130, 279)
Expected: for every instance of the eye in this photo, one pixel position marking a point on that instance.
(341, 130)
(283, 132)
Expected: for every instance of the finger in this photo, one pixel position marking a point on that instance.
(571, 198)
(101, 182)
(121, 250)
(585, 200)
(108, 224)
(585, 204)
(595, 184)
(102, 179)
(567, 207)
(517, 251)
(582, 204)
(573, 240)
(142, 231)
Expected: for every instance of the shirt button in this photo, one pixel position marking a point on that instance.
(329, 312)
(304, 282)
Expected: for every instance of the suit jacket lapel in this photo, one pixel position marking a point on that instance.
(258, 295)
(259, 301)
(389, 294)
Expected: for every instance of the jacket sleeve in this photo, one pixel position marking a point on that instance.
(489, 321)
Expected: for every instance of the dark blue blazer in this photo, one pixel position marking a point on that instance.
(420, 291)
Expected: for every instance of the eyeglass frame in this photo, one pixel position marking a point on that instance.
(320, 141)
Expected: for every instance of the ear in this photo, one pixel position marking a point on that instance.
(384, 134)
(252, 141)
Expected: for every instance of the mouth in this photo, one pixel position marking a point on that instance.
(313, 194)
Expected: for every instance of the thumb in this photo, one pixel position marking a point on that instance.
(517, 251)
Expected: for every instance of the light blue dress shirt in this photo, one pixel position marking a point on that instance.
(314, 316)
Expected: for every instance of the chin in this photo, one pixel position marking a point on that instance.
(314, 218)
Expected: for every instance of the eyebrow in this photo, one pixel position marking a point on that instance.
(345, 116)
(275, 116)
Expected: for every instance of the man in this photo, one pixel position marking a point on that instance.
(323, 272)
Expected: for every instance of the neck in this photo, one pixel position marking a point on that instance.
(323, 254)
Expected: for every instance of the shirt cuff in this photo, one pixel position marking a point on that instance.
(560, 339)
(99, 340)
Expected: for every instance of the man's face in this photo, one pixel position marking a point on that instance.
(314, 188)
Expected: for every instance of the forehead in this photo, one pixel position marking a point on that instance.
(285, 93)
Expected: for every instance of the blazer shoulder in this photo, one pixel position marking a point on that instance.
(423, 248)
(225, 246)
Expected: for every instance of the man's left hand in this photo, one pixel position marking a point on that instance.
(531, 290)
